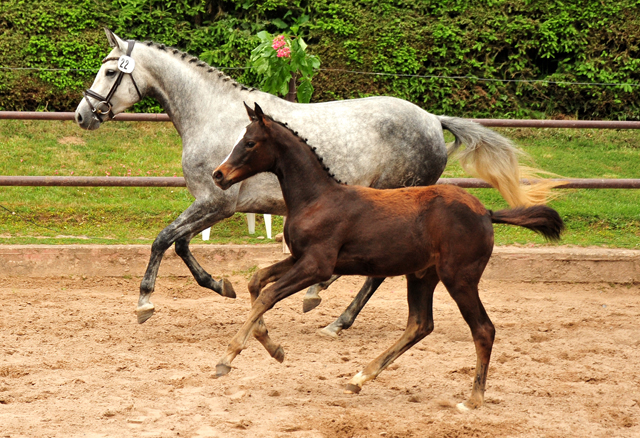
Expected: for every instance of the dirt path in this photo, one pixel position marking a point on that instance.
(73, 362)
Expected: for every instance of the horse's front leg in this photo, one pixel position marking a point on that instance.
(197, 217)
(259, 280)
(306, 271)
(202, 277)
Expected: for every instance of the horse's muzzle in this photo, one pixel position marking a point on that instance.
(85, 120)
(219, 179)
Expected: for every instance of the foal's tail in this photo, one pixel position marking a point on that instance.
(494, 158)
(539, 218)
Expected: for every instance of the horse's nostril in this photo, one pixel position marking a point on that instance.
(78, 117)
(217, 175)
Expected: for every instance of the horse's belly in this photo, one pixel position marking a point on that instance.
(386, 262)
(261, 194)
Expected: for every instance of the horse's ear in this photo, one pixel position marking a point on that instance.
(259, 113)
(250, 112)
(114, 40)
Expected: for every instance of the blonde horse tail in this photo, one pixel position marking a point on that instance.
(493, 158)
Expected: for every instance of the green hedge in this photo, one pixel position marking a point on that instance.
(556, 41)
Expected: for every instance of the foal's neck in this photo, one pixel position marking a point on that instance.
(303, 179)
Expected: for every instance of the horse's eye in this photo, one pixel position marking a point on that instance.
(250, 144)
(110, 73)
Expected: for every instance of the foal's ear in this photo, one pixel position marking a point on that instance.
(114, 40)
(250, 112)
(259, 113)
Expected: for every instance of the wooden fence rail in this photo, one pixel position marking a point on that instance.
(498, 123)
(85, 181)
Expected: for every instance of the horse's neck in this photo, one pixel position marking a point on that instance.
(192, 95)
(302, 178)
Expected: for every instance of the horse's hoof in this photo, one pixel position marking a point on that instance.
(145, 312)
(227, 289)
(329, 331)
(222, 370)
(279, 354)
(352, 389)
(310, 303)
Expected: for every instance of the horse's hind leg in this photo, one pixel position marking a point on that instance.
(312, 298)
(348, 317)
(259, 280)
(419, 325)
(463, 288)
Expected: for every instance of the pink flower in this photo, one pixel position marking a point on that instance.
(285, 52)
(278, 42)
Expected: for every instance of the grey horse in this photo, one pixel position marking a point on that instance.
(380, 142)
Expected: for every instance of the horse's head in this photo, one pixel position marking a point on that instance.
(251, 154)
(114, 89)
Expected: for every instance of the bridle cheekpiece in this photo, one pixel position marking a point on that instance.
(126, 65)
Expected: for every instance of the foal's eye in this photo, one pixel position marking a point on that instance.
(110, 73)
(250, 144)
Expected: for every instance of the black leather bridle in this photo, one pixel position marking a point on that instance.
(104, 107)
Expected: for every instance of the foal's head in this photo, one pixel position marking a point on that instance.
(253, 152)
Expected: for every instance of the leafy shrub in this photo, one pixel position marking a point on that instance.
(459, 57)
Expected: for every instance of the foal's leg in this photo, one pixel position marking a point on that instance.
(306, 272)
(419, 325)
(259, 280)
(312, 298)
(348, 317)
(194, 219)
(463, 288)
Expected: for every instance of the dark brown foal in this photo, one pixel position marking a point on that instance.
(430, 234)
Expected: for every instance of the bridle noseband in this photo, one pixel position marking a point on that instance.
(104, 107)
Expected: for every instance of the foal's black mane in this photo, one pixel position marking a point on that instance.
(198, 63)
(313, 149)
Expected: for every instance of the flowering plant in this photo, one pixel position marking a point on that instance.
(281, 60)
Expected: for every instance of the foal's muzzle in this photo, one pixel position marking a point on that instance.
(219, 179)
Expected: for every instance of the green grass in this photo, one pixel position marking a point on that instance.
(63, 215)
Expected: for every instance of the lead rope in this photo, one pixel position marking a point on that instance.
(106, 101)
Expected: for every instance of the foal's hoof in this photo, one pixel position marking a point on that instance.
(310, 303)
(352, 389)
(279, 354)
(468, 406)
(227, 289)
(222, 370)
(145, 312)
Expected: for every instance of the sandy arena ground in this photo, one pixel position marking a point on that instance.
(74, 363)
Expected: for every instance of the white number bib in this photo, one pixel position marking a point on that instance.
(126, 64)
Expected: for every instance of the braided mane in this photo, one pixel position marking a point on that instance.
(194, 60)
(313, 149)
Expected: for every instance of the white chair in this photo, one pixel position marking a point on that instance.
(251, 220)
